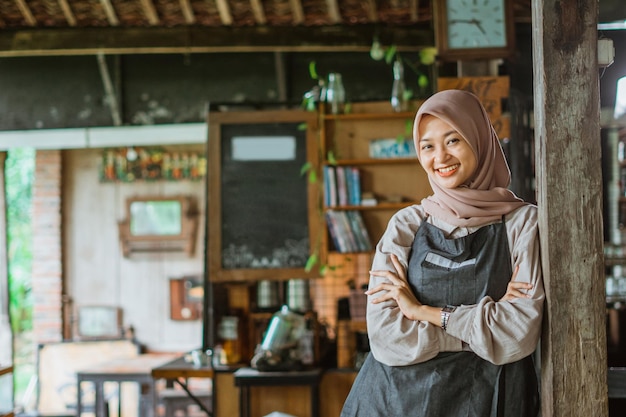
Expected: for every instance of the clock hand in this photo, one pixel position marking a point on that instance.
(480, 27)
(474, 22)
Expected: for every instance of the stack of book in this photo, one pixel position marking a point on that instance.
(342, 186)
(347, 231)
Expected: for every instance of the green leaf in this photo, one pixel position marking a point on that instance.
(313, 70)
(312, 177)
(323, 269)
(347, 108)
(408, 127)
(428, 55)
(310, 263)
(331, 158)
(302, 126)
(305, 168)
(390, 54)
(423, 81)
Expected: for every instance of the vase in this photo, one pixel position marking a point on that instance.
(335, 94)
(398, 89)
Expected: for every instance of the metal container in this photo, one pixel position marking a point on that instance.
(298, 295)
(268, 295)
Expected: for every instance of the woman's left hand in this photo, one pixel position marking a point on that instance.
(396, 289)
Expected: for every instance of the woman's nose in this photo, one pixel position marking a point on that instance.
(441, 154)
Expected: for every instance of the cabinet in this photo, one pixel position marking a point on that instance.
(394, 181)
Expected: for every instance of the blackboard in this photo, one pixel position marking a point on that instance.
(261, 226)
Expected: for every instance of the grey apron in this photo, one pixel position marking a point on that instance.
(453, 384)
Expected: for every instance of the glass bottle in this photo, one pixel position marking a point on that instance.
(335, 94)
(229, 336)
(398, 89)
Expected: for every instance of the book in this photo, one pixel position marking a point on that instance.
(355, 186)
(330, 186)
(361, 231)
(334, 232)
(346, 227)
(342, 186)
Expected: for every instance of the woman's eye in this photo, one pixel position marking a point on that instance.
(452, 141)
(426, 147)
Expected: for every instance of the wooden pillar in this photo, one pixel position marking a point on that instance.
(569, 184)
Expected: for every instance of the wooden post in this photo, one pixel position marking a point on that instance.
(569, 184)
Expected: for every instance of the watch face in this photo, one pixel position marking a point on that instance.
(476, 24)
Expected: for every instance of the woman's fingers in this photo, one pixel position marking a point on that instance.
(399, 268)
(516, 289)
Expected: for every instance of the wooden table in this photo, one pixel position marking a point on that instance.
(179, 370)
(133, 369)
(245, 378)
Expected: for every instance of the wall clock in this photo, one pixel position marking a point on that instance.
(473, 29)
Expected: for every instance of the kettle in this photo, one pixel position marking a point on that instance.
(280, 348)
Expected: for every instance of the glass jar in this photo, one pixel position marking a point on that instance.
(335, 94)
(228, 333)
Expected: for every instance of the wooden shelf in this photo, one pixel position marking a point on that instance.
(395, 182)
(380, 161)
(379, 206)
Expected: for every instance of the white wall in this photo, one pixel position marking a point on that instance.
(95, 269)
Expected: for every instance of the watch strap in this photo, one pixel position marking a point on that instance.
(445, 316)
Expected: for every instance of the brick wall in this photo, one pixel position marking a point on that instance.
(47, 279)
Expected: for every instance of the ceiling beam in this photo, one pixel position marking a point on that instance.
(372, 11)
(110, 12)
(333, 11)
(185, 7)
(67, 12)
(150, 12)
(258, 12)
(297, 11)
(26, 13)
(58, 42)
(224, 11)
(414, 6)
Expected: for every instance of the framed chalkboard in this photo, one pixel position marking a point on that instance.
(262, 210)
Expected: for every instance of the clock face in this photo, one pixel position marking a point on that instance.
(476, 24)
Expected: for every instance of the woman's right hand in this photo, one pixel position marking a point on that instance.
(515, 288)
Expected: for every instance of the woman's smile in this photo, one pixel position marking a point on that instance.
(449, 170)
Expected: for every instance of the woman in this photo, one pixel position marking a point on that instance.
(456, 296)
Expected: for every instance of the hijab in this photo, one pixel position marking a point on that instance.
(485, 198)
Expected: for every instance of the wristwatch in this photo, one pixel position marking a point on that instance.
(445, 315)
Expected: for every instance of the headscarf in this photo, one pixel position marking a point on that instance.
(485, 198)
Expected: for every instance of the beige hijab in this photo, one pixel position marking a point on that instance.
(486, 197)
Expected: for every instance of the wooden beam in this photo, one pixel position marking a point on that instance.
(26, 13)
(372, 11)
(333, 11)
(111, 97)
(224, 11)
(191, 39)
(258, 12)
(569, 185)
(185, 7)
(415, 6)
(110, 12)
(297, 11)
(67, 12)
(150, 12)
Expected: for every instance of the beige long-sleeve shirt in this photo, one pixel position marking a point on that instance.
(500, 332)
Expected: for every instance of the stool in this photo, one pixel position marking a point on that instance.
(176, 400)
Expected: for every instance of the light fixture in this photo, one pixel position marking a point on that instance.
(131, 154)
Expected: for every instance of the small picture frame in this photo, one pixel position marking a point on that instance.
(99, 322)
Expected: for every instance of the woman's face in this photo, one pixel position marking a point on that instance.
(447, 158)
